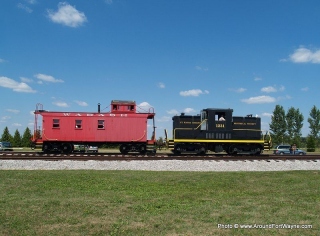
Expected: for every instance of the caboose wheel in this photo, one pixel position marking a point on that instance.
(124, 148)
(142, 149)
(47, 147)
(66, 148)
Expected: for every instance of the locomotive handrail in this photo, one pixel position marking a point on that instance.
(174, 131)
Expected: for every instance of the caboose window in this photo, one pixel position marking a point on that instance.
(78, 124)
(115, 107)
(56, 123)
(130, 108)
(100, 124)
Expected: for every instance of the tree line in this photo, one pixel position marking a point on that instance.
(17, 140)
(285, 127)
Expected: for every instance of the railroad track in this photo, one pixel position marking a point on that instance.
(163, 156)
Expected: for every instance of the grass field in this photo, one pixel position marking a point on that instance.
(157, 203)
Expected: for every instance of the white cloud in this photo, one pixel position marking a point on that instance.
(24, 7)
(238, 90)
(305, 89)
(257, 79)
(287, 97)
(17, 124)
(201, 68)
(67, 15)
(31, 1)
(80, 103)
(189, 110)
(193, 92)
(144, 107)
(5, 118)
(15, 86)
(304, 55)
(259, 100)
(109, 1)
(172, 112)
(60, 104)
(13, 111)
(266, 114)
(272, 89)
(269, 89)
(161, 85)
(2, 60)
(48, 78)
(26, 80)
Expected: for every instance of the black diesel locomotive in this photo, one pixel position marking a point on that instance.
(218, 130)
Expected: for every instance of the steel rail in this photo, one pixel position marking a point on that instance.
(164, 156)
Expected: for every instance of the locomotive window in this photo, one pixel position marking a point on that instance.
(100, 124)
(78, 124)
(56, 123)
(220, 116)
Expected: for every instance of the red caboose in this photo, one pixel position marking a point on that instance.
(123, 125)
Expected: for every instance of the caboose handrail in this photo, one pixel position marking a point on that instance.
(144, 134)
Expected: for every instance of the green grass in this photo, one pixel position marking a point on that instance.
(156, 203)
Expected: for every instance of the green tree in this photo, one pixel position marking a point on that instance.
(278, 125)
(314, 123)
(6, 136)
(294, 120)
(16, 141)
(311, 143)
(26, 138)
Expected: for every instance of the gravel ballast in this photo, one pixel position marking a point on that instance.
(162, 165)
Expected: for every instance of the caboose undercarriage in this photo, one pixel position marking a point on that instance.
(68, 147)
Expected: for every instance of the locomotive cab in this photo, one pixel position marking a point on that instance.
(214, 121)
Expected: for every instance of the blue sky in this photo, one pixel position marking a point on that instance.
(176, 56)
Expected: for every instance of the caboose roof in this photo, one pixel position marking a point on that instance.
(127, 102)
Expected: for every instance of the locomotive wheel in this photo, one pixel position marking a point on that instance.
(202, 150)
(232, 150)
(124, 148)
(177, 150)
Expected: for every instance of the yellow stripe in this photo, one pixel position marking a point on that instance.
(217, 141)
